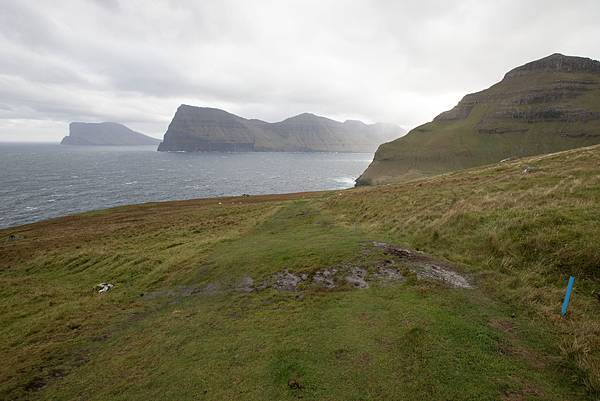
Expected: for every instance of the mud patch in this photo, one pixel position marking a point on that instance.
(35, 384)
(387, 274)
(527, 392)
(425, 266)
(359, 275)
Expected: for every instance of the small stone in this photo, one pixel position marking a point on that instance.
(325, 278)
(357, 278)
(103, 287)
(295, 385)
(287, 281)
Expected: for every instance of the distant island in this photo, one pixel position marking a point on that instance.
(105, 134)
(196, 129)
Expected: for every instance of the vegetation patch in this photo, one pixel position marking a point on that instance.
(465, 274)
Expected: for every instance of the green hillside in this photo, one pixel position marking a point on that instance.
(266, 298)
(545, 106)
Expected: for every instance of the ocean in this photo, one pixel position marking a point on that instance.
(41, 181)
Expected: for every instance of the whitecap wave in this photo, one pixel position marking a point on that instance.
(348, 181)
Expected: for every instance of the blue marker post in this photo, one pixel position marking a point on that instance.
(567, 295)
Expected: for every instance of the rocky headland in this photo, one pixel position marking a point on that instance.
(105, 134)
(195, 129)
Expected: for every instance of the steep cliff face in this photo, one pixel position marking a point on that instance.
(196, 129)
(105, 134)
(544, 106)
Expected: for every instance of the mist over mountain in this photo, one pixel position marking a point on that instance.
(105, 134)
(196, 129)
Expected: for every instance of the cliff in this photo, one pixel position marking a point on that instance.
(196, 129)
(544, 106)
(105, 134)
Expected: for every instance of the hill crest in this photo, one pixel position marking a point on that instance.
(544, 106)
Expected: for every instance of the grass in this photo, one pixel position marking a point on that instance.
(453, 144)
(517, 235)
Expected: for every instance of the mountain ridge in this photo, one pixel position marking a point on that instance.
(544, 106)
(196, 129)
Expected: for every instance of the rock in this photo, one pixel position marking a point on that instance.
(357, 277)
(287, 281)
(425, 266)
(105, 134)
(529, 169)
(103, 287)
(195, 129)
(387, 274)
(295, 384)
(440, 273)
(325, 278)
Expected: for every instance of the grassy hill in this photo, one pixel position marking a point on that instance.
(545, 106)
(229, 299)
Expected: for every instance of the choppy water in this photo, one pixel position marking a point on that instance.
(40, 181)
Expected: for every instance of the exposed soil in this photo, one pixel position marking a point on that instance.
(357, 277)
(286, 281)
(325, 278)
(529, 391)
(425, 266)
(345, 276)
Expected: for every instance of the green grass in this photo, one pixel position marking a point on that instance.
(152, 337)
(453, 144)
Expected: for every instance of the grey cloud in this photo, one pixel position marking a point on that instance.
(134, 61)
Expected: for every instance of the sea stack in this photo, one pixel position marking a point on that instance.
(105, 134)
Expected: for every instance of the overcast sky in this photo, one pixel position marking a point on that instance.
(391, 61)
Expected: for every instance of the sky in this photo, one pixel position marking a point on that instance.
(135, 61)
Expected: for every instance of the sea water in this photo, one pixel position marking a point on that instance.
(41, 181)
